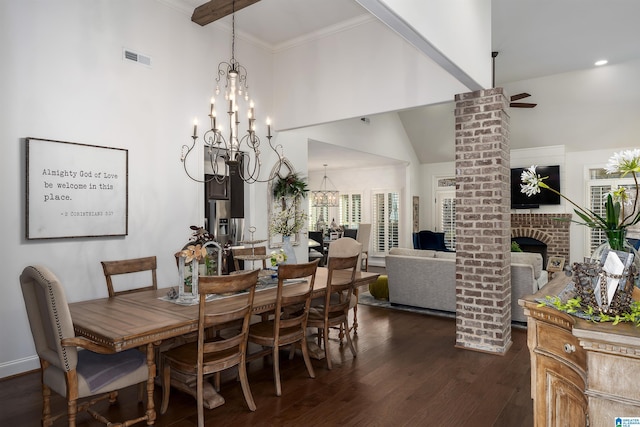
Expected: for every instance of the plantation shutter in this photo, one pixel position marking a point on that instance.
(448, 215)
(350, 210)
(385, 222)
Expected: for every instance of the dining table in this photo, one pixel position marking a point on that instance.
(147, 318)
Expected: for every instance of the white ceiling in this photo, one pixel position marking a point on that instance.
(534, 38)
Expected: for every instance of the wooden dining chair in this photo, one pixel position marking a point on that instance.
(93, 374)
(257, 250)
(335, 310)
(346, 247)
(208, 355)
(289, 323)
(128, 266)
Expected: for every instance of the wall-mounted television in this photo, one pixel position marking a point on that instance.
(520, 200)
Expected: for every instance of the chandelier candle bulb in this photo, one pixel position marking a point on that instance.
(195, 127)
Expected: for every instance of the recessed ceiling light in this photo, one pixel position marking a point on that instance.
(601, 62)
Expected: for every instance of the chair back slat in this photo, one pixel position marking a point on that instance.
(129, 266)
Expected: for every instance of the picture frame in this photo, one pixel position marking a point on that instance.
(555, 263)
(75, 190)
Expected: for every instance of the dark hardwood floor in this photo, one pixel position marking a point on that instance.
(407, 373)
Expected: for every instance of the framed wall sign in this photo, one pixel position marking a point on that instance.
(75, 190)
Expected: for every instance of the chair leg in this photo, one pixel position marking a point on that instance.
(276, 370)
(244, 382)
(72, 411)
(307, 359)
(46, 406)
(216, 381)
(355, 313)
(327, 354)
(200, 397)
(349, 341)
(166, 386)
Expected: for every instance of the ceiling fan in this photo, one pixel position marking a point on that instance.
(515, 97)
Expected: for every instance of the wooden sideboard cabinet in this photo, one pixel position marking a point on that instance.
(582, 373)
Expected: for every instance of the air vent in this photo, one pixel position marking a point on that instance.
(366, 120)
(136, 57)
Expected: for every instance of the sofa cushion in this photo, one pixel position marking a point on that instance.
(532, 258)
(412, 252)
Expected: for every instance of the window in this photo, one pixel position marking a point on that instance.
(350, 210)
(385, 222)
(446, 210)
(446, 205)
(599, 186)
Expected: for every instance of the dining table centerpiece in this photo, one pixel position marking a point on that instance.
(201, 256)
(604, 284)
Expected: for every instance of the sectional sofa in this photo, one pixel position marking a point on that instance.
(427, 279)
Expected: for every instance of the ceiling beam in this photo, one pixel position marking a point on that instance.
(216, 9)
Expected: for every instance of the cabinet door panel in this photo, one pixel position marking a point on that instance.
(564, 403)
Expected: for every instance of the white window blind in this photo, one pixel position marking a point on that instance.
(350, 210)
(385, 221)
(446, 210)
(448, 215)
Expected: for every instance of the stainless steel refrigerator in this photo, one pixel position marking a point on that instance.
(225, 229)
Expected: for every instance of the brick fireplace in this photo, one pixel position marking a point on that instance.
(546, 229)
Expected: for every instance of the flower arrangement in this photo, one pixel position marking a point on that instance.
(288, 221)
(621, 207)
(278, 257)
(193, 252)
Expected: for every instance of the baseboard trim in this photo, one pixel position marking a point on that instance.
(19, 366)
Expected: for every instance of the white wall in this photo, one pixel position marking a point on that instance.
(363, 70)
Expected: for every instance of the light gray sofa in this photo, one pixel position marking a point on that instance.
(427, 279)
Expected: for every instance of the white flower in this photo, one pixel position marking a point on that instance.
(531, 181)
(278, 257)
(624, 162)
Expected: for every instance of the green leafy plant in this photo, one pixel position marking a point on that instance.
(515, 247)
(291, 185)
(574, 306)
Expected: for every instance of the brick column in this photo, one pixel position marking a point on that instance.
(483, 222)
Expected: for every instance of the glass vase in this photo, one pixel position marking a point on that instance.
(288, 250)
(617, 241)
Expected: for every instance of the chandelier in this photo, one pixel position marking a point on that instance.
(235, 154)
(324, 197)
